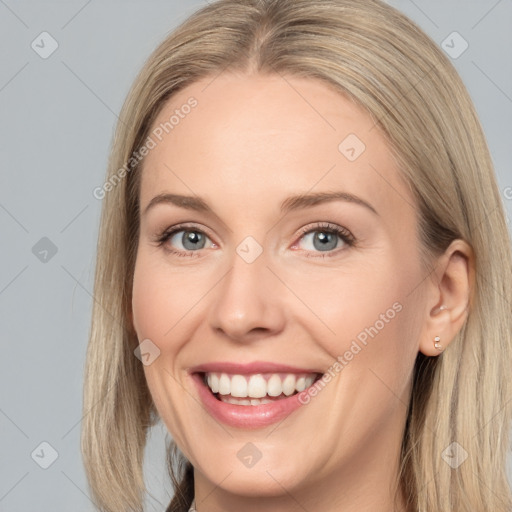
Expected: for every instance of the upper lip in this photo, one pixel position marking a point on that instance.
(249, 368)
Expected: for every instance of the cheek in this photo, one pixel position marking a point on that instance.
(156, 309)
(348, 300)
(159, 299)
(168, 303)
(363, 312)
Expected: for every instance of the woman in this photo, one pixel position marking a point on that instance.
(303, 269)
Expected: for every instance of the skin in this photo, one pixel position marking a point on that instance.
(251, 142)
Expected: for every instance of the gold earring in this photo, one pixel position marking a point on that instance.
(438, 345)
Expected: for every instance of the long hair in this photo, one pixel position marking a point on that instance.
(375, 55)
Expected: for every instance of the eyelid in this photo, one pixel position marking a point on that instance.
(163, 236)
(326, 226)
(348, 238)
(183, 226)
(345, 234)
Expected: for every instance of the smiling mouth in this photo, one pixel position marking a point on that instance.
(256, 389)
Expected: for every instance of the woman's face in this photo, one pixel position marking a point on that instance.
(257, 284)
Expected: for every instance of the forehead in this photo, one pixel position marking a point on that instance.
(260, 138)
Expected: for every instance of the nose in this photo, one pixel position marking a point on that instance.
(248, 302)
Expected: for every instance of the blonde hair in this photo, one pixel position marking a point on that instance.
(383, 61)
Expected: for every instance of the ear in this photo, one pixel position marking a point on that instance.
(448, 297)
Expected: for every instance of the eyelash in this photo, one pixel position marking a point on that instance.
(326, 227)
(343, 233)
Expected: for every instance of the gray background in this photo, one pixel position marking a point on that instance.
(57, 120)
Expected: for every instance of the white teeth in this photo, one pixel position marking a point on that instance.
(308, 381)
(289, 385)
(224, 385)
(244, 401)
(213, 382)
(274, 387)
(259, 401)
(257, 386)
(238, 386)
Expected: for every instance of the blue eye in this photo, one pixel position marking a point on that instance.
(324, 238)
(189, 240)
(182, 240)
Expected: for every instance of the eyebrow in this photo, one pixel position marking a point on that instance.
(291, 203)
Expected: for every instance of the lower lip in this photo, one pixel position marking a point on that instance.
(245, 416)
